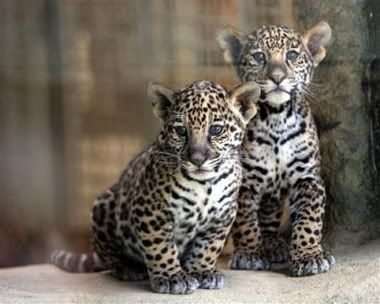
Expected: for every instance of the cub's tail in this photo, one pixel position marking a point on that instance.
(77, 262)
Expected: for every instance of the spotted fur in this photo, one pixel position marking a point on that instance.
(169, 214)
(283, 193)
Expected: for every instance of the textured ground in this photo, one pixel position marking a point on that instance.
(355, 279)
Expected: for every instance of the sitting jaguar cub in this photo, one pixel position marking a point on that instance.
(281, 160)
(168, 216)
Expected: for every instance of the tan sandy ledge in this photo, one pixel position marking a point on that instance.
(355, 279)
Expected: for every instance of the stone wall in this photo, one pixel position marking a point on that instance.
(348, 112)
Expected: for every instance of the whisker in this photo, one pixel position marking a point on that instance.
(309, 95)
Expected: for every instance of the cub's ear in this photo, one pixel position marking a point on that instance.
(316, 39)
(243, 99)
(161, 98)
(231, 42)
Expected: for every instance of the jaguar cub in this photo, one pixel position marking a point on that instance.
(169, 214)
(281, 160)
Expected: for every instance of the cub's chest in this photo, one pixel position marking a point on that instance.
(190, 209)
(189, 201)
(273, 149)
(267, 162)
(197, 202)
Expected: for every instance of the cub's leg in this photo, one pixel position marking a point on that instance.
(272, 221)
(104, 241)
(162, 260)
(307, 201)
(202, 256)
(246, 233)
(109, 247)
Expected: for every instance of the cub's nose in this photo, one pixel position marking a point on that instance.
(277, 76)
(198, 154)
(198, 159)
(276, 72)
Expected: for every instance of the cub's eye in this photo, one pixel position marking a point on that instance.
(292, 55)
(259, 57)
(215, 130)
(181, 131)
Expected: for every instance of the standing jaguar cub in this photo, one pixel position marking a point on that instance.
(281, 160)
(169, 214)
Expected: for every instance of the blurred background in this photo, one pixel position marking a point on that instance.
(73, 110)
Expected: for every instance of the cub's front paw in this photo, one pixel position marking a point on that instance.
(210, 279)
(180, 283)
(311, 265)
(245, 260)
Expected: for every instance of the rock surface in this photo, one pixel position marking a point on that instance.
(355, 279)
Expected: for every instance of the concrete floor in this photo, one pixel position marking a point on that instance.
(355, 279)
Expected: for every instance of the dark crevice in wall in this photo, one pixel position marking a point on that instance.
(374, 139)
(372, 87)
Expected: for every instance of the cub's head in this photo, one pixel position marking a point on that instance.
(277, 57)
(203, 124)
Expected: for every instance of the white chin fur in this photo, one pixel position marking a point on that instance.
(276, 99)
(202, 174)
